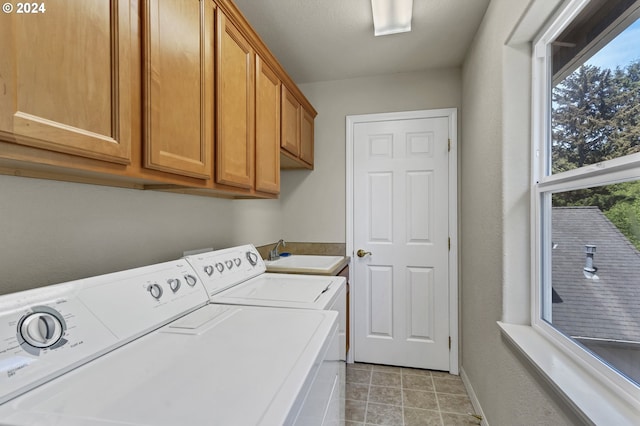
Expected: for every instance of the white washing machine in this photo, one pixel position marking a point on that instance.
(145, 347)
(237, 276)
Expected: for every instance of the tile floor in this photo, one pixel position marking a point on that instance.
(384, 395)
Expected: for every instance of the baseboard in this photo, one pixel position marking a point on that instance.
(472, 395)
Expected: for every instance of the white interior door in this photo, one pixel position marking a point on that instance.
(401, 215)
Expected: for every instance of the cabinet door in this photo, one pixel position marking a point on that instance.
(267, 128)
(178, 86)
(235, 140)
(290, 123)
(306, 137)
(66, 78)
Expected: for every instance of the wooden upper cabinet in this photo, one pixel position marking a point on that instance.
(168, 94)
(66, 78)
(178, 85)
(235, 139)
(306, 136)
(297, 133)
(267, 128)
(290, 123)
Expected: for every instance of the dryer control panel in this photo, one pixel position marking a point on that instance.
(133, 302)
(222, 269)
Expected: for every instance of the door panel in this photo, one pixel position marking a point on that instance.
(306, 136)
(381, 207)
(267, 128)
(419, 302)
(235, 143)
(178, 86)
(290, 122)
(401, 198)
(80, 105)
(419, 203)
(380, 291)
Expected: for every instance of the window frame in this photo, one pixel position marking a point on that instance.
(544, 184)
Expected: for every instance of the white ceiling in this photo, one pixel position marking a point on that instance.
(319, 40)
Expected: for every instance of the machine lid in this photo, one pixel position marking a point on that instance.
(285, 290)
(238, 365)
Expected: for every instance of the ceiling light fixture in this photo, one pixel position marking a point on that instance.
(391, 16)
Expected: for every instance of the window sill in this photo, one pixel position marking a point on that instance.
(590, 397)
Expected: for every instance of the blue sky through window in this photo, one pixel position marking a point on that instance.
(622, 50)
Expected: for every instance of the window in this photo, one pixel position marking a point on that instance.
(587, 186)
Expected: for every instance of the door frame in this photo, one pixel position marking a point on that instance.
(452, 115)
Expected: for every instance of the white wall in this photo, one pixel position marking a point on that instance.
(58, 231)
(313, 203)
(495, 163)
(258, 222)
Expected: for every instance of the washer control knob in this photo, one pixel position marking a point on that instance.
(208, 270)
(219, 266)
(229, 264)
(237, 261)
(191, 280)
(155, 290)
(252, 258)
(174, 284)
(41, 329)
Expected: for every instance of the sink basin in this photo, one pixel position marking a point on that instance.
(305, 262)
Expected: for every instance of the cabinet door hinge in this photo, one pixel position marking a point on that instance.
(449, 243)
(449, 342)
(448, 145)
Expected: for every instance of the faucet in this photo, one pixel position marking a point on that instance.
(273, 254)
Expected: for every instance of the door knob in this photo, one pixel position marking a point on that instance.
(362, 253)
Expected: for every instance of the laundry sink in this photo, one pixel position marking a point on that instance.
(304, 263)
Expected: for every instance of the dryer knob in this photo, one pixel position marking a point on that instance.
(41, 329)
(155, 290)
(191, 280)
(252, 258)
(220, 267)
(174, 284)
(208, 270)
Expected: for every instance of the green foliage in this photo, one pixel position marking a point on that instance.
(602, 196)
(619, 202)
(596, 117)
(582, 116)
(625, 217)
(625, 213)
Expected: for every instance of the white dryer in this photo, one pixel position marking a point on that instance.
(145, 347)
(238, 276)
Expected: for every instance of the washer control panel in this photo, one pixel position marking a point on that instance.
(44, 333)
(48, 331)
(225, 268)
